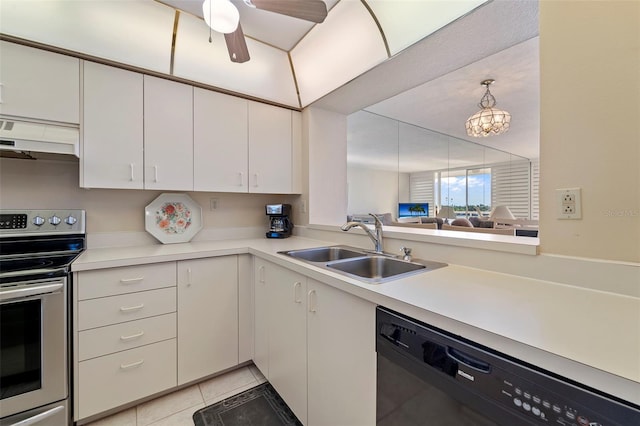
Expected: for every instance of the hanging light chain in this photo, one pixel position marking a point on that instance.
(488, 100)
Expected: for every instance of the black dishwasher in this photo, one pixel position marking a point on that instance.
(427, 376)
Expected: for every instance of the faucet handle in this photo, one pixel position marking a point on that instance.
(376, 218)
(406, 253)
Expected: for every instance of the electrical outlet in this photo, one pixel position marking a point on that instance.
(569, 203)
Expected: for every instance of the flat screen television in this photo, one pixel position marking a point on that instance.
(413, 209)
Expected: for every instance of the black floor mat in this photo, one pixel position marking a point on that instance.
(259, 406)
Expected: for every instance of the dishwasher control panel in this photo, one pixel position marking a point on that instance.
(553, 409)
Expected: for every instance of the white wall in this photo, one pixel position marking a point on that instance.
(372, 191)
(325, 137)
(589, 136)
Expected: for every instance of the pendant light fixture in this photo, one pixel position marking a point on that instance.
(489, 120)
(220, 15)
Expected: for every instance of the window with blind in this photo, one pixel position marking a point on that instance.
(422, 189)
(514, 184)
(511, 187)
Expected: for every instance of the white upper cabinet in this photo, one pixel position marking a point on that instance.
(270, 149)
(168, 135)
(220, 145)
(112, 128)
(38, 84)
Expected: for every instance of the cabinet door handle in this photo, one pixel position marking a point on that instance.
(296, 292)
(188, 277)
(312, 301)
(131, 280)
(261, 274)
(132, 365)
(131, 308)
(155, 173)
(133, 336)
(131, 170)
(1, 90)
(240, 178)
(255, 179)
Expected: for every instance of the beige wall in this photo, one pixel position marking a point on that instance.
(590, 131)
(44, 184)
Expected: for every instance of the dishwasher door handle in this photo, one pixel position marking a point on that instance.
(468, 360)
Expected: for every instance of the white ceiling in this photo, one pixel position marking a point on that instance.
(443, 103)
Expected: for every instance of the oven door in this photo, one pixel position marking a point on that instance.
(33, 344)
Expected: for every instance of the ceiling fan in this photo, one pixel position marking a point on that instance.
(222, 16)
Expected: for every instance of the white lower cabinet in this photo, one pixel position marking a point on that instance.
(207, 316)
(140, 330)
(288, 337)
(125, 336)
(261, 317)
(316, 345)
(341, 356)
(109, 381)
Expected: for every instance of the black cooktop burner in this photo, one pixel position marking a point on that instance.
(36, 263)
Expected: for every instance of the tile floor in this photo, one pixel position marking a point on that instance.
(177, 408)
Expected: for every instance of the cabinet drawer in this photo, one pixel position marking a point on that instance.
(113, 380)
(119, 337)
(113, 281)
(127, 307)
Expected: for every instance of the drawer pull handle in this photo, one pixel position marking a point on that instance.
(131, 280)
(132, 365)
(132, 308)
(133, 336)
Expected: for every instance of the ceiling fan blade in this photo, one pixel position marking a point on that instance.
(237, 46)
(309, 10)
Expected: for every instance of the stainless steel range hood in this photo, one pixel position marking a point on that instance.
(33, 137)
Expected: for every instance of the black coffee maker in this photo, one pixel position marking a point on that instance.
(280, 225)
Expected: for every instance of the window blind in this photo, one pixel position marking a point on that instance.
(535, 189)
(511, 187)
(421, 189)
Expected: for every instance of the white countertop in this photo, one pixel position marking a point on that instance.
(589, 336)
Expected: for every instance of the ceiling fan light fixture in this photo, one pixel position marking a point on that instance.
(488, 121)
(221, 15)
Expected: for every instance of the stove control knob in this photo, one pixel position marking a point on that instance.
(70, 220)
(38, 221)
(55, 220)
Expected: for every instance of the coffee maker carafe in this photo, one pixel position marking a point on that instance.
(280, 225)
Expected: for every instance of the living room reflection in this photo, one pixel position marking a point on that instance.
(424, 177)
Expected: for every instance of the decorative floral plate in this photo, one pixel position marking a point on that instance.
(173, 218)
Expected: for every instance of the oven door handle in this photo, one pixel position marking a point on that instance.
(39, 417)
(27, 291)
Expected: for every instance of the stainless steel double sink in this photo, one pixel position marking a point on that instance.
(360, 264)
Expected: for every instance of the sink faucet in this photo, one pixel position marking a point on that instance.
(375, 237)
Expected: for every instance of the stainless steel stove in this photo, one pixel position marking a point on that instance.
(37, 248)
